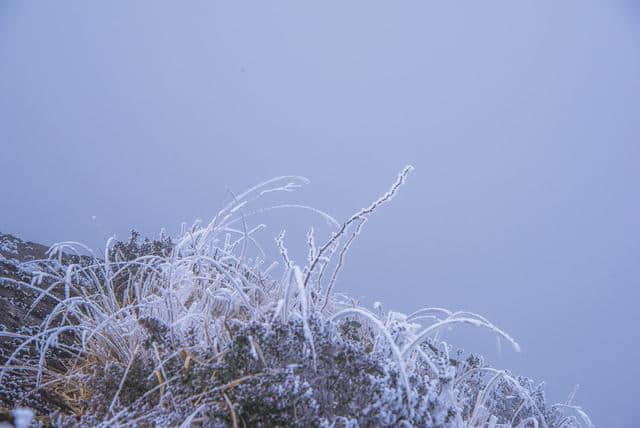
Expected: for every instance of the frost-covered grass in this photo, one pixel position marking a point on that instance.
(203, 331)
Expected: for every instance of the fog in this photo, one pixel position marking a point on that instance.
(521, 118)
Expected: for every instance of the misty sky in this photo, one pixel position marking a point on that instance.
(521, 118)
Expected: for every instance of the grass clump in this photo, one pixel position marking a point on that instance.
(198, 331)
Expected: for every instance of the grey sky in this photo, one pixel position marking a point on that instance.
(521, 118)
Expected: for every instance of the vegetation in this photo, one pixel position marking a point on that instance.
(198, 331)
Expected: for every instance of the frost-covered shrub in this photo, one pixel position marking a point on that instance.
(200, 331)
(134, 248)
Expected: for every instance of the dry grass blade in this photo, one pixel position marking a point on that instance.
(234, 417)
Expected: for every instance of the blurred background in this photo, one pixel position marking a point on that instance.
(521, 118)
